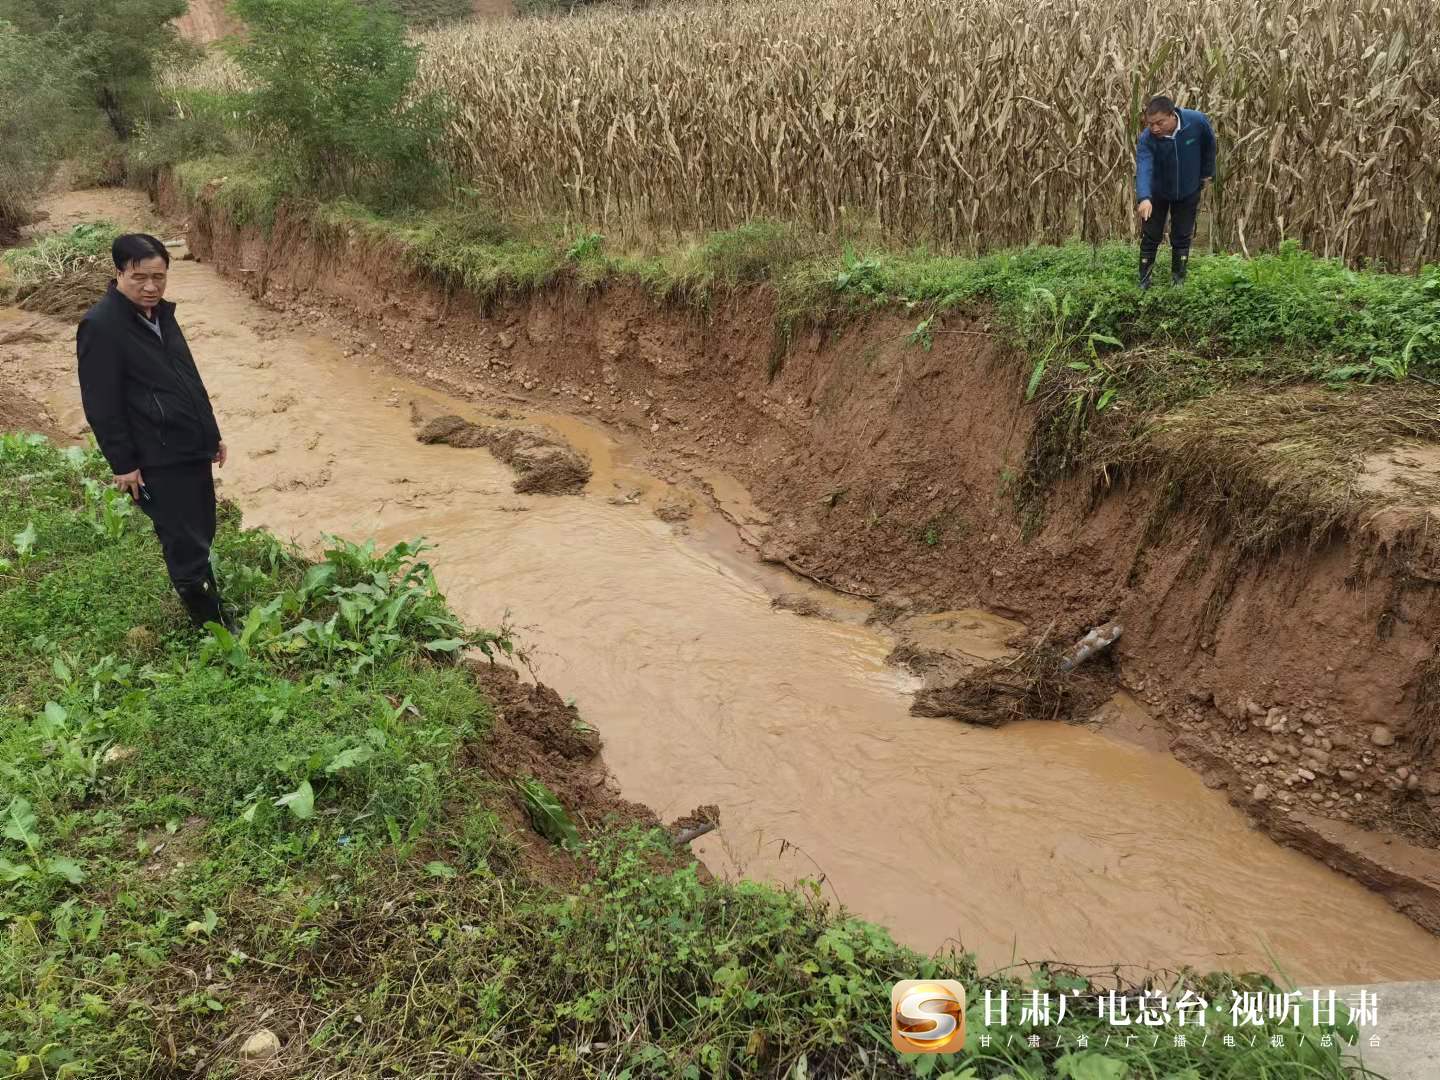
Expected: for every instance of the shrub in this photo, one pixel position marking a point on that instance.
(33, 95)
(113, 46)
(332, 91)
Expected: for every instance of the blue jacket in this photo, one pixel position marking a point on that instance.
(1173, 168)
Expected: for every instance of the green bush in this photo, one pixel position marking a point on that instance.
(200, 124)
(35, 95)
(333, 95)
(113, 46)
(426, 13)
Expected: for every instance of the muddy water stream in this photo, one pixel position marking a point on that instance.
(1031, 842)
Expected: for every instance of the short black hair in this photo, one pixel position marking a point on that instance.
(1159, 105)
(137, 247)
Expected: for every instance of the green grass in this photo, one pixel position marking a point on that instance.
(428, 13)
(1117, 378)
(58, 255)
(248, 193)
(294, 828)
(1283, 317)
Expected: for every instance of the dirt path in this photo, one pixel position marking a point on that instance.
(1032, 842)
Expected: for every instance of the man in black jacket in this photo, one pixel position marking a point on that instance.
(148, 408)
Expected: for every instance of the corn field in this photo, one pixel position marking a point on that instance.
(967, 125)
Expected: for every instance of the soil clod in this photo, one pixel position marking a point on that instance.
(800, 604)
(1029, 687)
(545, 467)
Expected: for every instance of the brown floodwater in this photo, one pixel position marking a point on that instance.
(1031, 842)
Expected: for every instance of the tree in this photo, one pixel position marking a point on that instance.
(333, 92)
(36, 91)
(112, 46)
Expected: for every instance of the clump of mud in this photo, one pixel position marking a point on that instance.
(20, 412)
(545, 466)
(695, 824)
(709, 814)
(1028, 687)
(537, 734)
(800, 604)
(673, 510)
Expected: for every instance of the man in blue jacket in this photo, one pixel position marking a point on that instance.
(1174, 163)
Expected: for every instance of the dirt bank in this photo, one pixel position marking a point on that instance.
(19, 410)
(638, 600)
(886, 470)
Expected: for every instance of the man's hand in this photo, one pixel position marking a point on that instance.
(1144, 209)
(130, 483)
(220, 456)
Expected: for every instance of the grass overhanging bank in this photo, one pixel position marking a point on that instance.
(300, 830)
(1344, 360)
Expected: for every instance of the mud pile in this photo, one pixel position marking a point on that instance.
(546, 467)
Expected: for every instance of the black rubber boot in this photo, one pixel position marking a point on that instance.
(1179, 267)
(1147, 264)
(202, 601)
(227, 617)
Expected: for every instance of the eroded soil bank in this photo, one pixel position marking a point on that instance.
(1034, 841)
(1298, 683)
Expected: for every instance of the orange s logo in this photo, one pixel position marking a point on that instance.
(927, 1016)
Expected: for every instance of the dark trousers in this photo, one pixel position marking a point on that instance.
(181, 505)
(1181, 215)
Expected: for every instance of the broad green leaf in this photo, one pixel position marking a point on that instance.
(549, 817)
(348, 759)
(20, 824)
(10, 871)
(55, 713)
(440, 870)
(1091, 1065)
(301, 801)
(249, 814)
(61, 670)
(1036, 374)
(317, 577)
(24, 540)
(444, 644)
(68, 869)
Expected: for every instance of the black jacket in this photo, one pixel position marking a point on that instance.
(143, 398)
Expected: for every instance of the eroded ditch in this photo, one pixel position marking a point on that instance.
(1034, 841)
